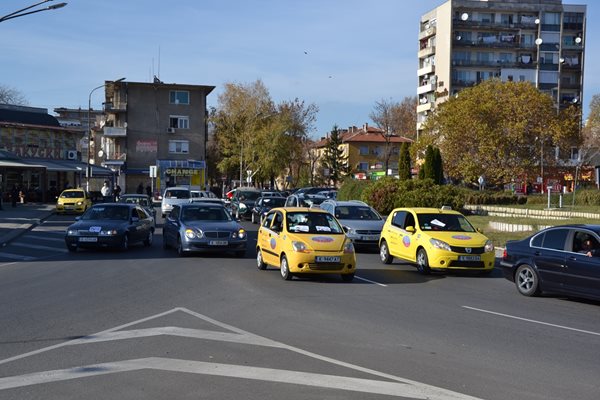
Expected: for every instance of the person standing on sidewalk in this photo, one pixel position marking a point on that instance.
(13, 195)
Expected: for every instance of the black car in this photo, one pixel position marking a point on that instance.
(142, 200)
(243, 201)
(115, 225)
(561, 259)
(264, 205)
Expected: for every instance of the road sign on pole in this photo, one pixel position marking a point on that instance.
(153, 171)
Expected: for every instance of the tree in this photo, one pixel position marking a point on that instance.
(10, 95)
(404, 172)
(334, 159)
(428, 166)
(438, 166)
(503, 130)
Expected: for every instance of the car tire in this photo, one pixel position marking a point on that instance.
(260, 264)
(348, 277)
(527, 281)
(384, 253)
(125, 243)
(149, 239)
(423, 262)
(284, 269)
(180, 250)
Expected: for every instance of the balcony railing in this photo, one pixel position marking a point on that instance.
(424, 34)
(429, 87)
(430, 69)
(115, 156)
(491, 44)
(115, 107)
(458, 23)
(426, 52)
(424, 107)
(493, 64)
(110, 131)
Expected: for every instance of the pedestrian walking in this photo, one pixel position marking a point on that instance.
(140, 188)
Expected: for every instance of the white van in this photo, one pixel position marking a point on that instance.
(174, 195)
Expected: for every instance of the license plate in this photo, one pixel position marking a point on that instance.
(88, 239)
(69, 207)
(218, 243)
(327, 259)
(370, 237)
(469, 258)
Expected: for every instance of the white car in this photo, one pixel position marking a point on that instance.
(174, 195)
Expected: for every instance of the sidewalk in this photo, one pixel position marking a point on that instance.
(14, 221)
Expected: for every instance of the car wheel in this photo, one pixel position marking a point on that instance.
(149, 239)
(527, 281)
(72, 248)
(348, 277)
(284, 269)
(125, 244)
(260, 264)
(384, 253)
(423, 262)
(180, 250)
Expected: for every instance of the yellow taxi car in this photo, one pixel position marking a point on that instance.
(435, 239)
(304, 241)
(73, 200)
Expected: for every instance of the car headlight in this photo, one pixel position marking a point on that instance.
(348, 248)
(109, 232)
(439, 244)
(242, 207)
(489, 246)
(71, 232)
(300, 247)
(193, 233)
(349, 230)
(240, 234)
(79, 203)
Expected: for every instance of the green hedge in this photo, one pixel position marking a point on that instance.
(351, 189)
(489, 197)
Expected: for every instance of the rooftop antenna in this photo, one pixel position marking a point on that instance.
(159, 62)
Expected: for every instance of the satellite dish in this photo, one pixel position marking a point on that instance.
(537, 21)
(578, 39)
(100, 154)
(561, 60)
(458, 37)
(538, 41)
(464, 16)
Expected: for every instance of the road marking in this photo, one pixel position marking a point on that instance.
(37, 247)
(398, 387)
(367, 280)
(49, 239)
(16, 256)
(533, 321)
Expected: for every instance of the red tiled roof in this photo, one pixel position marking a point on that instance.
(371, 134)
(362, 137)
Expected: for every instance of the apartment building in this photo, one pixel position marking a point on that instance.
(154, 124)
(463, 42)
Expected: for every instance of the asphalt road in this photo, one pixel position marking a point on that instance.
(147, 324)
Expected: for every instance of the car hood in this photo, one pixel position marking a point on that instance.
(320, 242)
(368, 225)
(459, 239)
(103, 224)
(213, 225)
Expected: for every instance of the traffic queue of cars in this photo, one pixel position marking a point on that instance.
(314, 234)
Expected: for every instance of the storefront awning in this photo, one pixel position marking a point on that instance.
(18, 164)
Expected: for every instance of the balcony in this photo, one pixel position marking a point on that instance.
(114, 108)
(110, 131)
(426, 52)
(424, 107)
(430, 87)
(424, 34)
(463, 83)
(471, 24)
(430, 69)
(493, 64)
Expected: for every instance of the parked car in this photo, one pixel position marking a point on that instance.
(270, 193)
(203, 194)
(172, 196)
(362, 223)
(330, 194)
(304, 241)
(115, 225)
(435, 239)
(304, 200)
(264, 205)
(202, 226)
(73, 201)
(311, 190)
(243, 201)
(561, 259)
(141, 200)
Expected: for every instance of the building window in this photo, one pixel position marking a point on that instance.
(552, 18)
(363, 150)
(574, 154)
(179, 122)
(363, 166)
(179, 146)
(179, 97)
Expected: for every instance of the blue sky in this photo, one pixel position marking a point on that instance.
(342, 55)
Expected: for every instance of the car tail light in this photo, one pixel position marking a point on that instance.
(504, 254)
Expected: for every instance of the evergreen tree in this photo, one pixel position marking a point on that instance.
(334, 159)
(404, 163)
(438, 167)
(428, 167)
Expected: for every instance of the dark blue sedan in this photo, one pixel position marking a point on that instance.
(562, 259)
(201, 226)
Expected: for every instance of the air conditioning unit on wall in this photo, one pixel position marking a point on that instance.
(71, 154)
(171, 130)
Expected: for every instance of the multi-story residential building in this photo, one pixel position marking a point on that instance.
(77, 119)
(366, 149)
(463, 42)
(154, 124)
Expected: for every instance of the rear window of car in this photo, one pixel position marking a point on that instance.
(73, 195)
(356, 212)
(177, 194)
(107, 213)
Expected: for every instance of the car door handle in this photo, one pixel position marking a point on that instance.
(538, 253)
(573, 258)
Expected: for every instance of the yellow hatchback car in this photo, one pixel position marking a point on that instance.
(73, 200)
(304, 241)
(435, 239)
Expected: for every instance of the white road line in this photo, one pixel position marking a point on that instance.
(366, 280)
(38, 247)
(234, 371)
(533, 321)
(16, 256)
(49, 239)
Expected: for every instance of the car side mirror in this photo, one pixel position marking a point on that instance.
(478, 230)
(410, 229)
(345, 228)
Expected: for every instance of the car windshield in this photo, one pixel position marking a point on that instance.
(120, 213)
(311, 201)
(177, 194)
(444, 223)
(363, 213)
(248, 195)
(312, 222)
(134, 200)
(273, 202)
(204, 213)
(78, 194)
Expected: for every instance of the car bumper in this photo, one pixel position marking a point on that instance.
(94, 241)
(307, 263)
(365, 240)
(508, 269)
(452, 261)
(61, 209)
(214, 245)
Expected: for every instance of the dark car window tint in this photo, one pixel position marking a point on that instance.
(555, 239)
(356, 212)
(141, 214)
(398, 219)
(444, 223)
(174, 212)
(107, 213)
(409, 221)
(538, 240)
(277, 223)
(73, 195)
(273, 202)
(177, 194)
(268, 220)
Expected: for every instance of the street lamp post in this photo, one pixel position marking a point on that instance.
(88, 169)
(21, 13)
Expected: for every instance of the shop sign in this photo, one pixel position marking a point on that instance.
(182, 171)
(146, 146)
